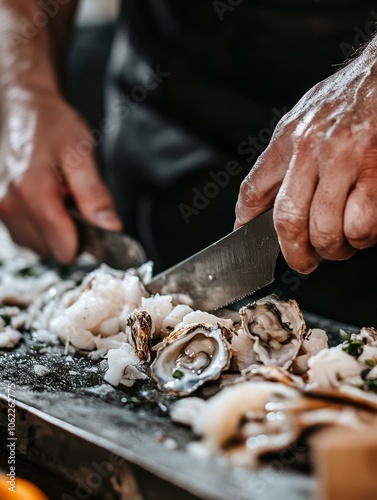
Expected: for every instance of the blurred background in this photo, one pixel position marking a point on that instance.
(90, 50)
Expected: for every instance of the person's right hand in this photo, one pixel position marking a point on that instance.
(44, 157)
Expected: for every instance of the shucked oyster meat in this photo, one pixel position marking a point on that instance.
(190, 356)
(249, 419)
(276, 329)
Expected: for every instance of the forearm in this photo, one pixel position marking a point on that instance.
(33, 44)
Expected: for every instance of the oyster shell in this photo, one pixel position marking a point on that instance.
(276, 328)
(234, 422)
(139, 333)
(190, 356)
(271, 374)
(246, 420)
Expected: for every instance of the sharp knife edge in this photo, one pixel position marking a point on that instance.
(227, 271)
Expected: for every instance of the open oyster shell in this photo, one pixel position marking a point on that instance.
(190, 356)
(270, 374)
(276, 328)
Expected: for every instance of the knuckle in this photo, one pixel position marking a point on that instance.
(326, 241)
(289, 221)
(96, 195)
(288, 224)
(249, 193)
(360, 237)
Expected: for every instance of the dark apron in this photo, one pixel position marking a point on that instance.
(195, 89)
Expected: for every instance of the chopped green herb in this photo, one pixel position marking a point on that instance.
(370, 362)
(27, 272)
(344, 334)
(354, 347)
(37, 347)
(178, 374)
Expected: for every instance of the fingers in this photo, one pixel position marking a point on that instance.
(91, 195)
(24, 233)
(259, 188)
(292, 209)
(16, 217)
(42, 221)
(326, 233)
(56, 227)
(360, 218)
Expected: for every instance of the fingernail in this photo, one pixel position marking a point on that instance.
(308, 271)
(108, 219)
(309, 268)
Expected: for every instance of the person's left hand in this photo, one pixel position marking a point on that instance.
(321, 166)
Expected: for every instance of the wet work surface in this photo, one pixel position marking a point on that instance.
(119, 443)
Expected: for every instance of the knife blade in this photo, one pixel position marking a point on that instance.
(117, 250)
(227, 271)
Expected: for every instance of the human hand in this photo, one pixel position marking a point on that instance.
(321, 170)
(41, 163)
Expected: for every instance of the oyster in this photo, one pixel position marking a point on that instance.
(190, 356)
(243, 354)
(139, 332)
(271, 374)
(315, 340)
(276, 328)
(234, 423)
(249, 419)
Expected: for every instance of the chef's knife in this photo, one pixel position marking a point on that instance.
(231, 269)
(115, 249)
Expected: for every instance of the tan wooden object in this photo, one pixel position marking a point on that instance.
(346, 464)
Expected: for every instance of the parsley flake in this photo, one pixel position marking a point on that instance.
(178, 374)
(353, 347)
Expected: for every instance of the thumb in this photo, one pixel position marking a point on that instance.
(91, 195)
(260, 187)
